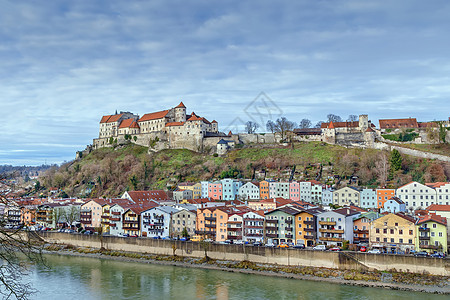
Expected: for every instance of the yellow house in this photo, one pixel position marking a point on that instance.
(305, 227)
(196, 189)
(393, 233)
(131, 221)
(105, 217)
(431, 234)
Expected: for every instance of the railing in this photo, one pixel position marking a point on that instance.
(331, 230)
(130, 227)
(309, 229)
(288, 228)
(116, 213)
(271, 235)
(424, 238)
(210, 219)
(114, 219)
(105, 217)
(254, 234)
(84, 221)
(424, 229)
(253, 220)
(130, 222)
(288, 221)
(106, 211)
(332, 239)
(234, 237)
(428, 247)
(289, 236)
(272, 221)
(210, 225)
(254, 227)
(205, 232)
(331, 223)
(309, 222)
(309, 237)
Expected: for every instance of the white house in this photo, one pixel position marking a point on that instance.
(368, 198)
(250, 190)
(416, 195)
(157, 221)
(335, 227)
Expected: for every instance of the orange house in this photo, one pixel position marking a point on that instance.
(305, 228)
(215, 190)
(264, 189)
(384, 195)
(28, 215)
(213, 222)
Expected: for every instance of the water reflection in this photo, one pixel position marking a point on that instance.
(89, 278)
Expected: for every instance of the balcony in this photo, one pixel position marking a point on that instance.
(84, 221)
(288, 221)
(149, 223)
(210, 225)
(360, 231)
(105, 222)
(288, 228)
(289, 236)
(112, 225)
(272, 221)
(429, 247)
(234, 228)
(130, 222)
(329, 223)
(114, 219)
(331, 230)
(254, 234)
(234, 237)
(130, 227)
(210, 219)
(331, 239)
(309, 222)
(423, 229)
(253, 220)
(155, 230)
(273, 228)
(205, 232)
(254, 227)
(105, 217)
(106, 211)
(272, 235)
(309, 237)
(116, 213)
(309, 229)
(424, 238)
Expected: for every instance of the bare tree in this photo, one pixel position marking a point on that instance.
(353, 118)
(270, 126)
(305, 123)
(251, 127)
(282, 126)
(382, 169)
(334, 118)
(318, 124)
(16, 247)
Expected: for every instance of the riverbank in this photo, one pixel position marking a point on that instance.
(434, 284)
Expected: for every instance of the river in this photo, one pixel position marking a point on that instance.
(67, 277)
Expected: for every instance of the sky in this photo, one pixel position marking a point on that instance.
(64, 64)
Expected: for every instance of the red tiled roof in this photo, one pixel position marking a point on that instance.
(194, 117)
(105, 118)
(134, 125)
(111, 118)
(436, 184)
(154, 116)
(438, 207)
(214, 121)
(181, 105)
(206, 121)
(174, 124)
(398, 123)
(427, 124)
(370, 130)
(433, 218)
(408, 218)
(332, 125)
(126, 123)
(141, 196)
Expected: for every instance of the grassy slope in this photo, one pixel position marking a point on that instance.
(114, 167)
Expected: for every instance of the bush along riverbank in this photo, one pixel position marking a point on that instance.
(390, 279)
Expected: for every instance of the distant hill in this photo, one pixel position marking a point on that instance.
(110, 171)
(24, 170)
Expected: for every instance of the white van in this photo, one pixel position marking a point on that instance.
(320, 247)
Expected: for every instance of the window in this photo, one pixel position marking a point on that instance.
(392, 231)
(410, 233)
(384, 230)
(392, 240)
(410, 241)
(377, 230)
(400, 241)
(396, 224)
(400, 231)
(385, 240)
(378, 239)
(434, 225)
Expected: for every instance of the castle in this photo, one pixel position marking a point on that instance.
(167, 129)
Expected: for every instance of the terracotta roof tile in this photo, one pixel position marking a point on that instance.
(174, 124)
(438, 207)
(154, 116)
(398, 123)
(126, 123)
(181, 105)
(432, 218)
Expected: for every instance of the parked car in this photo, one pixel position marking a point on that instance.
(363, 249)
(283, 246)
(421, 254)
(320, 247)
(87, 232)
(438, 255)
(335, 249)
(257, 244)
(374, 251)
(299, 246)
(184, 239)
(270, 245)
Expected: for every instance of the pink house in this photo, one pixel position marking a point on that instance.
(215, 190)
(294, 191)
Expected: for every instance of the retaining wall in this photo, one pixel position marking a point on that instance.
(292, 257)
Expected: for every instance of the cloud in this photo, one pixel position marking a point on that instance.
(65, 64)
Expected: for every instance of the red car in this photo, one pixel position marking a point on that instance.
(363, 249)
(335, 249)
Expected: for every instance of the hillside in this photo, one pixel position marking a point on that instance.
(108, 171)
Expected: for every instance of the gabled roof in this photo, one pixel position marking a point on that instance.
(398, 123)
(194, 117)
(181, 105)
(127, 123)
(396, 199)
(369, 129)
(214, 121)
(408, 218)
(438, 207)
(140, 196)
(111, 118)
(432, 218)
(222, 141)
(436, 184)
(154, 116)
(346, 211)
(170, 124)
(348, 124)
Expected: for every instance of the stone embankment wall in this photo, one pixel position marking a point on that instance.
(292, 257)
(421, 154)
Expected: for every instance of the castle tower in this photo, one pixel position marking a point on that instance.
(363, 122)
(330, 134)
(180, 113)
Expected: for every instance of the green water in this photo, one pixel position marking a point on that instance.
(90, 278)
